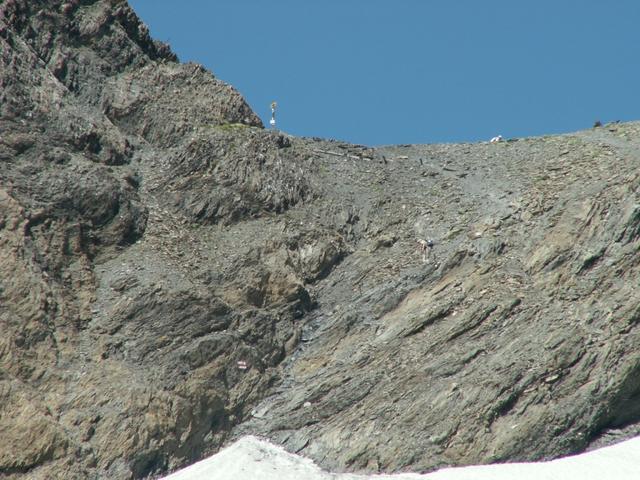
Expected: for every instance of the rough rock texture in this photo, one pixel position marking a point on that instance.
(518, 339)
(172, 275)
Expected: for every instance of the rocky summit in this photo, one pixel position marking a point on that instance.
(174, 276)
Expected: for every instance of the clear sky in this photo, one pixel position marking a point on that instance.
(416, 71)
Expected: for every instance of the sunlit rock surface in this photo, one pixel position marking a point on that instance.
(173, 276)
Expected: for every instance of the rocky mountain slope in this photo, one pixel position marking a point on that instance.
(173, 275)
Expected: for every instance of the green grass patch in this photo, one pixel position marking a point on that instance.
(227, 127)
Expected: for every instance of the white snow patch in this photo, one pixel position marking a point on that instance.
(251, 458)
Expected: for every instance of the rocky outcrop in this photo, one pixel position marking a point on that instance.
(112, 365)
(515, 341)
(172, 275)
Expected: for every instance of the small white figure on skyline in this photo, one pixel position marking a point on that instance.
(272, 122)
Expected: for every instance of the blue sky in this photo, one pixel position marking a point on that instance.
(415, 71)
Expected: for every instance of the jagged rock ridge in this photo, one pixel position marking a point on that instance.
(153, 235)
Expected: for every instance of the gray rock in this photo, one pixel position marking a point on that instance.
(173, 276)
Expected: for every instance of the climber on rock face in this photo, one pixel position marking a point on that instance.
(425, 248)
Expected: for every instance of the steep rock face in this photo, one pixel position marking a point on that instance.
(107, 370)
(173, 275)
(516, 340)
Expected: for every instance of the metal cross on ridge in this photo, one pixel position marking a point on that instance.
(272, 122)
